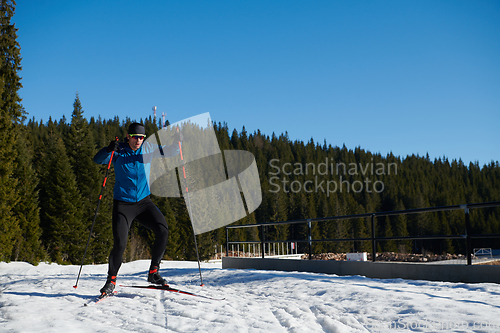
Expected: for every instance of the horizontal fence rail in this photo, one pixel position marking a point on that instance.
(374, 239)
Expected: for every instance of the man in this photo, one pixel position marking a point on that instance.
(132, 161)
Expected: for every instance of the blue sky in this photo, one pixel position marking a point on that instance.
(407, 77)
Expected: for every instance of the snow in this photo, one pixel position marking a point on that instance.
(42, 299)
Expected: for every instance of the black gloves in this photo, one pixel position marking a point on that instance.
(113, 146)
(178, 136)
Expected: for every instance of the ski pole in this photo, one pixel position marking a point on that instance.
(189, 208)
(95, 216)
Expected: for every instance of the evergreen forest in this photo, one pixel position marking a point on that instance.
(49, 187)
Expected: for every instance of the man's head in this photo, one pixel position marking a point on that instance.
(136, 135)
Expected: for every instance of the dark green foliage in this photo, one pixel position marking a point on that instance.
(11, 114)
(61, 203)
(69, 185)
(28, 246)
(80, 143)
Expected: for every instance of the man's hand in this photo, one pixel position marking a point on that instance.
(113, 146)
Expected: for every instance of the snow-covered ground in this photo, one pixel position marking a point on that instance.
(42, 299)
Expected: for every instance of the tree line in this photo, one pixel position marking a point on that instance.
(49, 186)
(58, 185)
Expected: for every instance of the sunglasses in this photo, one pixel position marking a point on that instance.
(137, 136)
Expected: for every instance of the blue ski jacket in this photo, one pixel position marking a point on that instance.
(132, 168)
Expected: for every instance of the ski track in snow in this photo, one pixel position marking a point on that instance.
(42, 299)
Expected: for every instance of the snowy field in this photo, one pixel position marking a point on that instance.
(42, 299)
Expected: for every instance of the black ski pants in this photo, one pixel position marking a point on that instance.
(147, 214)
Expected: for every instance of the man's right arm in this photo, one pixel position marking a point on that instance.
(102, 156)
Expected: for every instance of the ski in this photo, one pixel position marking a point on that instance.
(99, 299)
(173, 290)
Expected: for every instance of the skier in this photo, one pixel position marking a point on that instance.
(132, 160)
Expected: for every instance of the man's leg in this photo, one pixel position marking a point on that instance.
(153, 219)
(123, 215)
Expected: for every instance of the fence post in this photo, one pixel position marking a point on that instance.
(468, 240)
(374, 243)
(262, 240)
(309, 238)
(227, 243)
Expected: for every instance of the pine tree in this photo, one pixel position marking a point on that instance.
(64, 231)
(401, 230)
(184, 248)
(28, 246)
(81, 149)
(389, 245)
(164, 206)
(80, 145)
(10, 118)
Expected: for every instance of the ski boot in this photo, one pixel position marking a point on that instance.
(109, 286)
(155, 277)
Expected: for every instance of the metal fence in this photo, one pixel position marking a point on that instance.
(467, 237)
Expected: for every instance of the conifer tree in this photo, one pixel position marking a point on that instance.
(61, 215)
(10, 118)
(184, 248)
(81, 148)
(28, 244)
(401, 230)
(164, 206)
(447, 246)
(390, 245)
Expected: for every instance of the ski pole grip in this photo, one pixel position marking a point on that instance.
(112, 153)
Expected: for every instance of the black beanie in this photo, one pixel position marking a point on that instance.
(136, 128)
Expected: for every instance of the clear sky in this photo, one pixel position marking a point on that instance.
(407, 77)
